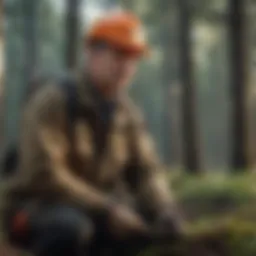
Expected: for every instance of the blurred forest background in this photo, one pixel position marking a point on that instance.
(197, 90)
(192, 88)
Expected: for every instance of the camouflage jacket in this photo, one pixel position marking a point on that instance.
(57, 166)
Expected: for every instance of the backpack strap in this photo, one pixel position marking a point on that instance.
(9, 161)
(68, 86)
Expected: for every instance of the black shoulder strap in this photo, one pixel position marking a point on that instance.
(68, 86)
(9, 161)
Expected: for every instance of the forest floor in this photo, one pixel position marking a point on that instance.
(221, 216)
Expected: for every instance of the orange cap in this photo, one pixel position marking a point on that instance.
(122, 30)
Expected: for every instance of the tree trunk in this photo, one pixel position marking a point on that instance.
(239, 154)
(1, 74)
(30, 14)
(72, 31)
(20, 62)
(190, 129)
(171, 136)
(129, 4)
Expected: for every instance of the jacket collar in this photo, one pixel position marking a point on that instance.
(89, 95)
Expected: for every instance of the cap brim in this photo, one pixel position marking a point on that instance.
(125, 47)
(132, 50)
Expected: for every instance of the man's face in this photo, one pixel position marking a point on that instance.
(110, 69)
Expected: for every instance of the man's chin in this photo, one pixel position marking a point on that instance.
(115, 87)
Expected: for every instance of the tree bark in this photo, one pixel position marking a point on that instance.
(30, 14)
(72, 31)
(191, 152)
(239, 154)
(171, 136)
(129, 4)
(1, 74)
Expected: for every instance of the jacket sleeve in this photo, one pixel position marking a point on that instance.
(145, 172)
(46, 120)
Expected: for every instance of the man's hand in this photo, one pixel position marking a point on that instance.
(123, 222)
(169, 222)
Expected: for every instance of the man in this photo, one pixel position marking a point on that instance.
(98, 183)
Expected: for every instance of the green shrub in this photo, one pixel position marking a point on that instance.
(220, 208)
(213, 193)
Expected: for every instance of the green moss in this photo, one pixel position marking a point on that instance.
(213, 193)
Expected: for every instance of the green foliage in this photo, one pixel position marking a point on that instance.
(214, 194)
(232, 233)
(222, 202)
(242, 240)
